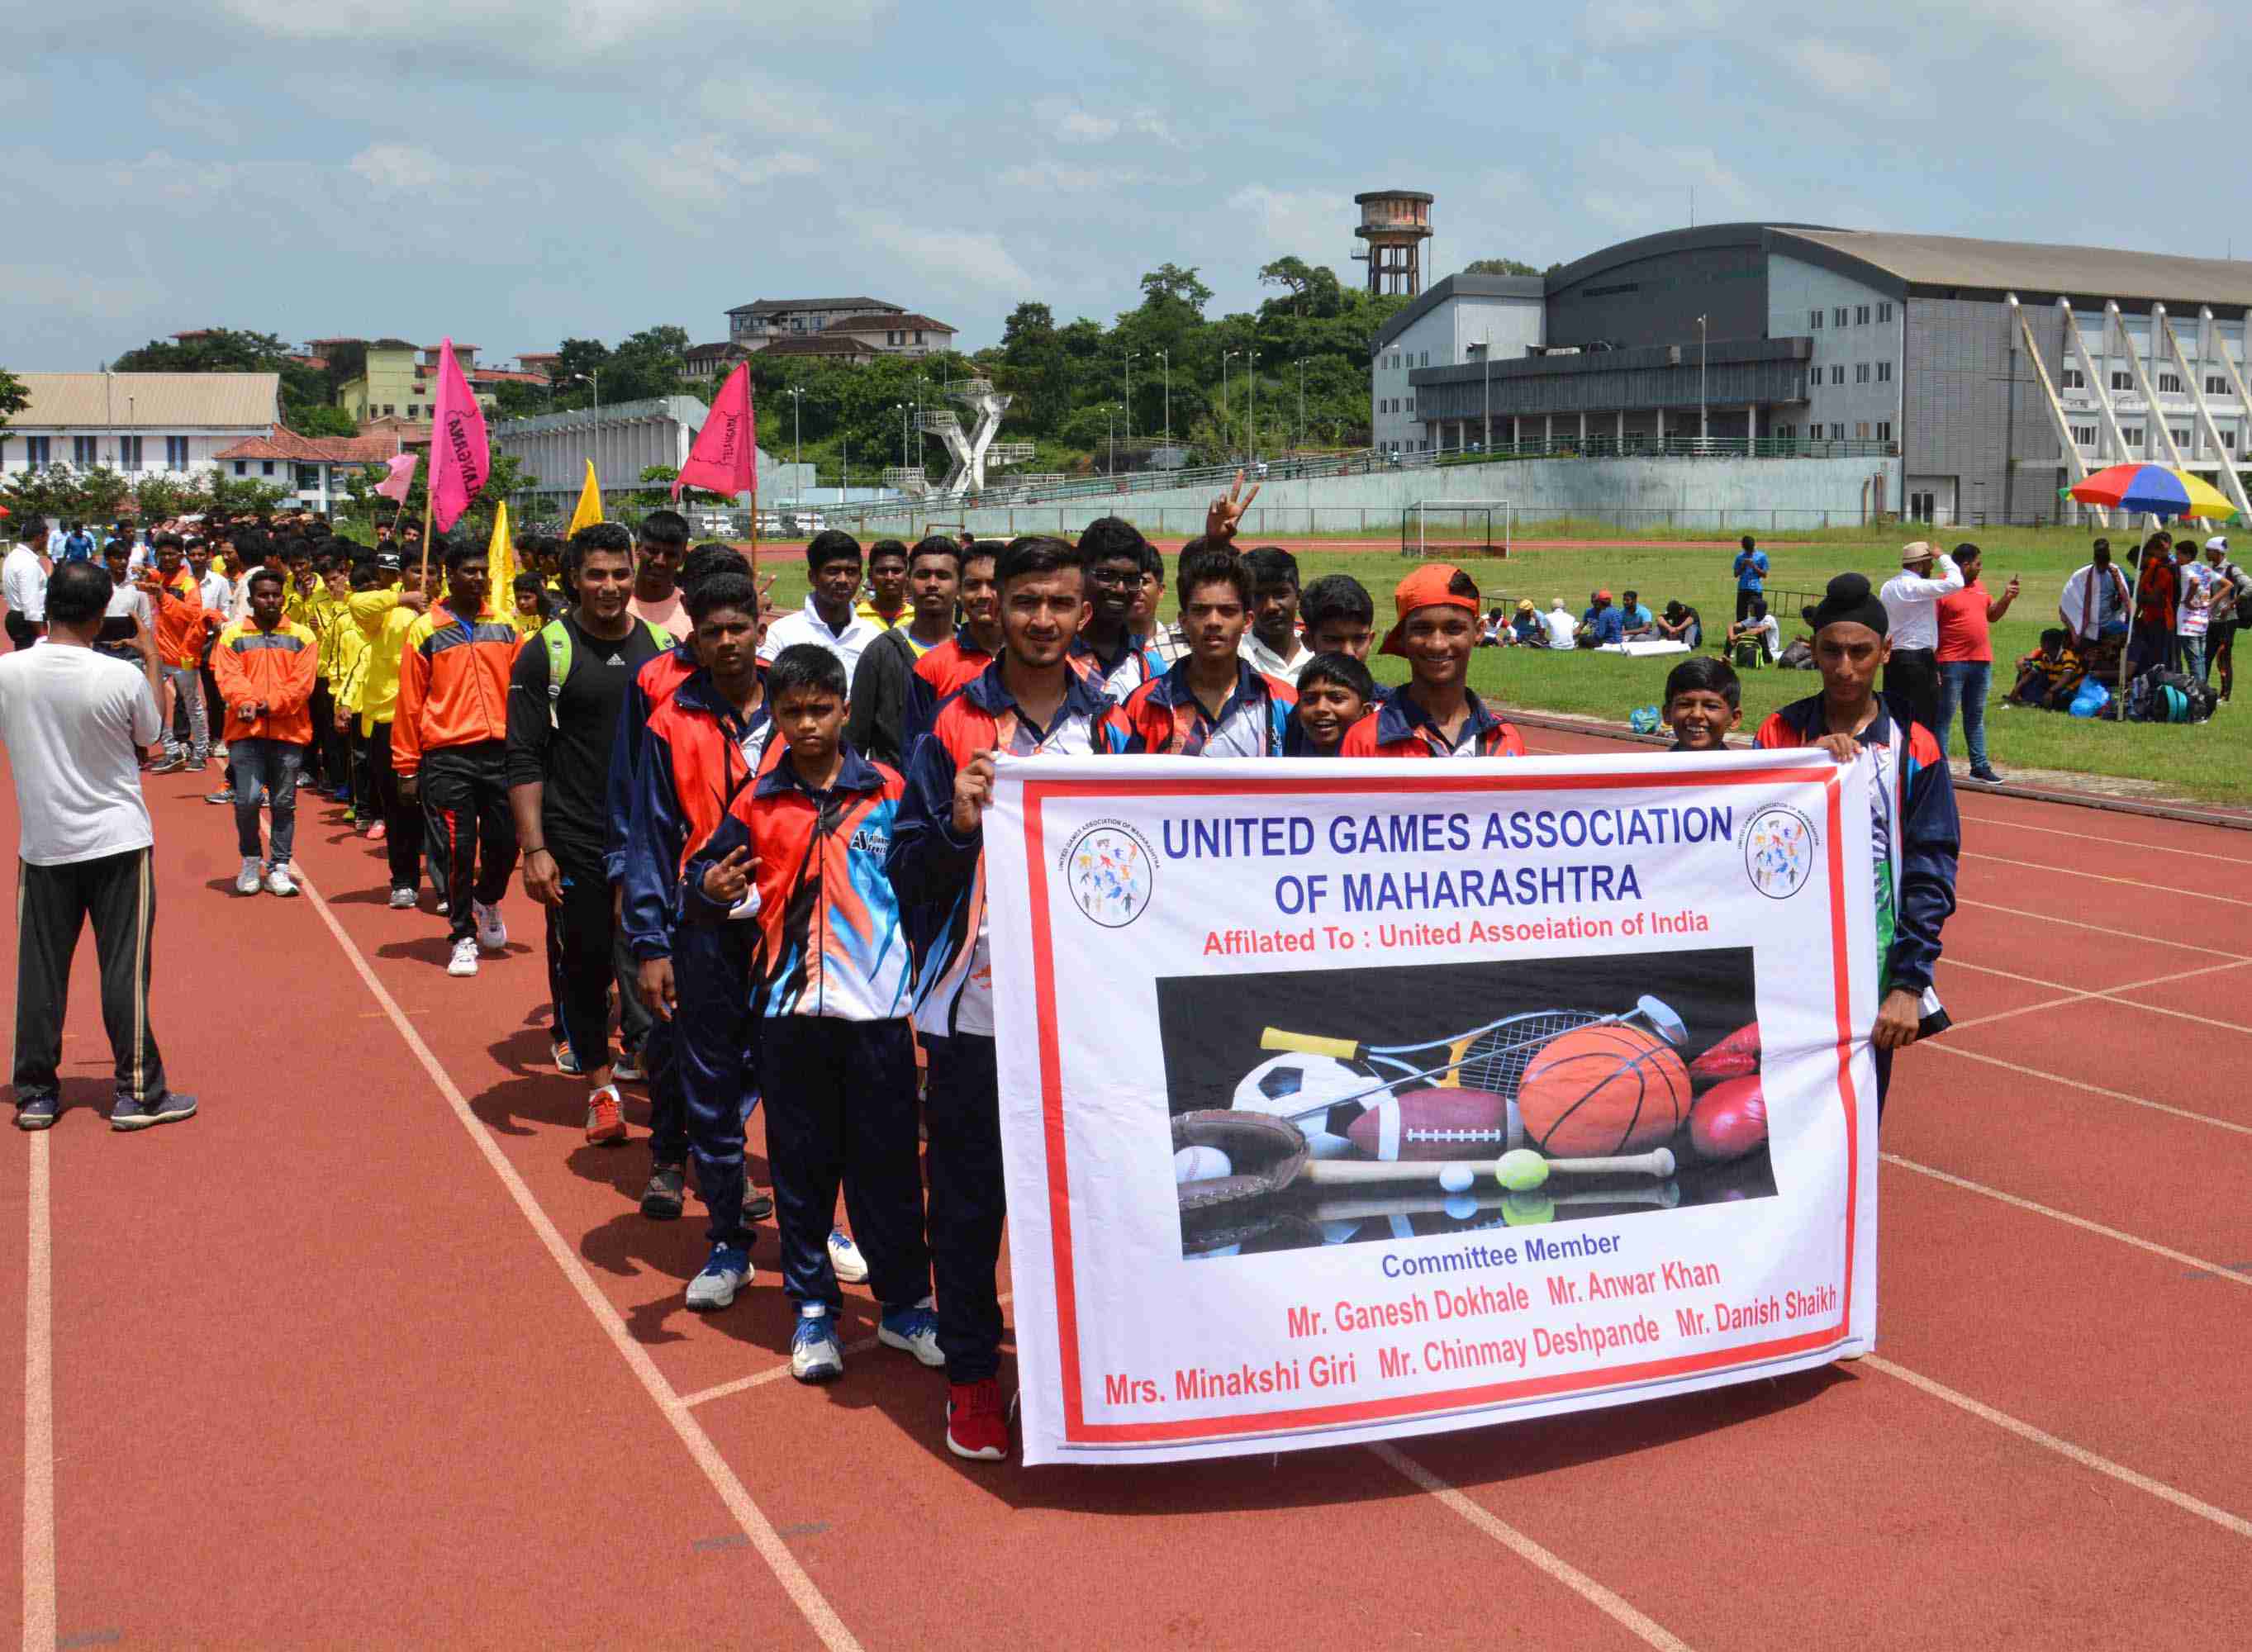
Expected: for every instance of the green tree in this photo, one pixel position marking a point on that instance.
(305, 390)
(1499, 266)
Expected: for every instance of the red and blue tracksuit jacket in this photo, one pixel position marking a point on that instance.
(1255, 720)
(941, 671)
(697, 753)
(1396, 726)
(1118, 677)
(656, 681)
(831, 939)
(941, 876)
(1918, 838)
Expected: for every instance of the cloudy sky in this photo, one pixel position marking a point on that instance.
(518, 170)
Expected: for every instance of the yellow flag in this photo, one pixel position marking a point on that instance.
(590, 505)
(500, 562)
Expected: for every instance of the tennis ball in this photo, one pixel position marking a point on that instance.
(1520, 1170)
(1528, 1210)
(1455, 1178)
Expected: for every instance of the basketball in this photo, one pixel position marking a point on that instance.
(1597, 1091)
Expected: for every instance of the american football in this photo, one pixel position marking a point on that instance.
(1438, 1124)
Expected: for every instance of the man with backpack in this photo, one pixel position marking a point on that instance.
(564, 697)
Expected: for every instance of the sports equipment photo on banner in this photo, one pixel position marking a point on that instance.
(1339, 1106)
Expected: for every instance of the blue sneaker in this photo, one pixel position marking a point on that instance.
(36, 1112)
(915, 1330)
(127, 1113)
(814, 1356)
(727, 1272)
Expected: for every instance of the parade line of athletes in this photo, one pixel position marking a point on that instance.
(762, 835)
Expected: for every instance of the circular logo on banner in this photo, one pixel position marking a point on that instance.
(1110, 870)
(1779, 851)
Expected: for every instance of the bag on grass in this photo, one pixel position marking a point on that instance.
(1799, 657)
(1642, 720)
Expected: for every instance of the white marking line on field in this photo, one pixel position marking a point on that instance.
(804, 1593)
(774, 1373)
(2065, 1448)
(39, 1409)
(2107, 930)
(1641, 1626)
(2199, 896)
(2088, 836)
(2235, 1276)
(1944, 1048)
(2109, 994)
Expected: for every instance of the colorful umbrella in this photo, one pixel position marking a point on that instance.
(2158, 491)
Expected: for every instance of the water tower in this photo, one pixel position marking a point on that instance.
(1396, 224)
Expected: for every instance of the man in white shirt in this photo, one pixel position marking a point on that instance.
(1272, 645)
(1911, 600)
(24, 582)
(1560, 625)
(830, 617)
(74, 725)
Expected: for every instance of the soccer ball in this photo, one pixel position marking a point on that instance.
(1303, 1088)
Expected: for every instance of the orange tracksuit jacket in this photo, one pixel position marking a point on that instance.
(452, 685)
(273, 666)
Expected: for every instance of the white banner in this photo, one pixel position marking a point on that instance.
(1343, 1100)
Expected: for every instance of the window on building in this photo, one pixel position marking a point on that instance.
(35, 450)
(266, 466)
(2170, 384)
(1837, 432)
(2123, 381)
(1860, 314)
(1861, 430)
(1427, 358)
(918, 335)
(1838, 317)
(1411, 404)
(1860, 373)
(1884, 312)
(2073, 379)
(1838, 373)
(2215, 385)
(1884, 430)
(412, 408)
(176, 452)
(1816, 320)
(388, 410)
(2229, 440)
(1785, 432)
(1884, 373)
(2183, 439)
(2132, 435)
(83, 449)
(2083, 435)
(243, 467)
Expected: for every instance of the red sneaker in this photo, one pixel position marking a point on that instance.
(976, 1425)
(606, 1122)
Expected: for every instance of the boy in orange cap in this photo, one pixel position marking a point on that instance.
(1434, 714)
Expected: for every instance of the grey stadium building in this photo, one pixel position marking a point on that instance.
(1951, 356)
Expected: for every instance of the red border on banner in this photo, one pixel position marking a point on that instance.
(1079, 1431)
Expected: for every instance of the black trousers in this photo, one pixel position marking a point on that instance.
(316, 769)
(962, 1110)
(841, 1108)
(1912, 684)
(21, 632)
(1744, 601)
(465, 802)
(118, 893)
(402, 819)
(583, 958)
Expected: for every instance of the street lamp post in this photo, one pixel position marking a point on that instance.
(1166, 356)
(1701, 434)
(1130, 392)
(900, 408)
(797, 425)
(1484, 348)
(1110, 411)
(1226, 409)
(1302, 401)
(1251, 405)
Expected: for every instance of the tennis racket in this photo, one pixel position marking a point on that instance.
(1491, 1057)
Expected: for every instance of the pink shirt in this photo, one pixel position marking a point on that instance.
(1963, 626)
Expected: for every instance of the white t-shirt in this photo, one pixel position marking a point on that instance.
(74, 725)
(25, 583)
(1265, 659)
(1559, 626)
(807, 626)
(129, 601)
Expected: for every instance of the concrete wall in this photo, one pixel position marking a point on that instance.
(1442, 337)
(1835, 410)
(1775, 495)
(1972, 402)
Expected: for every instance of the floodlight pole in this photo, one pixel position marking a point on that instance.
(1166, 356)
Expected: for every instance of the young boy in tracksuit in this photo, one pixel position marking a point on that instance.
(1434, 713)
(1028, 702)
(1212, 702)
(802, 850)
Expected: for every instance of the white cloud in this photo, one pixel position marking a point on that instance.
(760, 103)
(701, 176)
(73, 292)
(957, 262)
(1067, 122)
(1271, 222)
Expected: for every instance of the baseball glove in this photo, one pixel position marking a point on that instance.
(1267, 1154)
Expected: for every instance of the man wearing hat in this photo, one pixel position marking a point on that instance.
(1527, 625)
(1434, 713)
(2229, 603)
(1917, 834)
(1911, 602)
(1602, 623)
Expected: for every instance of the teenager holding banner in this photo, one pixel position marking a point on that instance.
(1028, 702)
(1911, 800)
(1434, 713)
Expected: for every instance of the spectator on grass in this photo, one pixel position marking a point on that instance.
(1602, 626)
(2158, 597)
(1911, 600)
(2229, 609)
(2096, 599)
(1751, 575)
(1966, 657)
(2050, 676)
(1680, 623)
(2200, 588)
(74, 725)
(1526, 627)
(1339, 616)
(1558, 623)
(1634, 619)
(1756, 640)
(1493, 630)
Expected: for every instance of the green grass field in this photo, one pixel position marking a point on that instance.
(2210, 762)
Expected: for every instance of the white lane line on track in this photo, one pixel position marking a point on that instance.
(804, 1593)
(2199, 897)
(1944, 1048)
(38, 1408)
(2107, 930)
(2082, 995)
(2085, 837)
(1644, 1628)
(2065, 1448)
(2235, 1276)
(775, 1373)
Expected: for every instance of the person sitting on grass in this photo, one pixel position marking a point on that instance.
(1635, 620)
(1434, 713)
(1493, 630)
(1335, 691)
(1911, 805)
(1680, 623)
(1526, 627)
(1754, 641)
(2051, 675)
(1558, 623)
(1602, 626)
(1703, 702)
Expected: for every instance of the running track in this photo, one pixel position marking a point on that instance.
(377, 1352)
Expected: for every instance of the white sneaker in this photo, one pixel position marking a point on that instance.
(492, 934)
(815, 1354)
(727, 1272)
(844, 1256)
(465, 958)
(441, 909)
(252, 876)
(278, 881)
(401, 900)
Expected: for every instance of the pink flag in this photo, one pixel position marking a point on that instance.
(395, 485)
(726, 456)
(459, 457)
